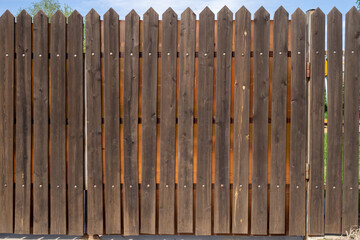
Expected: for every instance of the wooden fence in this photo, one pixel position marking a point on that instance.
(170, 127)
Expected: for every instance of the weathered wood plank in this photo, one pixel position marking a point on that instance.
(93, 124)
(240, 213)
(278, 123)
(186, 122)
(131, 98)
(112, 123)
(260, 123)
(58, 124)
(149, 118)
(334, 127)
(23, 124)
(222, 122)
(76, 125)
(41, 124)
(7, 40)
(168, 124)
(351, 121)
(204, 124)
(298, 125)
(316, 150)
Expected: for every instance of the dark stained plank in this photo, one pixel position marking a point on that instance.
(316, 150)
(186, 122)
(76, 124)
(260, 123)
(58, 125)
(7, 40)
(112, 123)
(149, 116)
(351, 121)
(23, 124)
(93, 124)
(240, 213)
(334, 127)
(131, 99)
(168, 124)
(204, 124)
(41, 124)
(278, 123)
(222, 122)
(298, 126)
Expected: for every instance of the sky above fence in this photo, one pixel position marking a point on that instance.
(122, 7)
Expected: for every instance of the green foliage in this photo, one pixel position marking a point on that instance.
(358, 3)
(49, 7)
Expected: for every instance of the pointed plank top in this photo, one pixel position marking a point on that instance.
(298, 13)
(262, 13)
(334, 11)
(6, 14)
(132, 14)
(353, 11)
(318, 13)
(281, 12)
(187, 12)
(225, 11)
(169, 13)
(75, 14)
(111, 13)
(242, 10)
(206, 12)
(39, 14)
(57, 16)
(23, 14)
(151, 12)
(92, 14)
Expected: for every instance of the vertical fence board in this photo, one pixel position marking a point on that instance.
(241, 122)
(222, 122)
(23, 123)
(7, 31)
(186, 122)
(351, 121)
(316, 190)
(41, 124)
(131, 93)
(76, 125)
(260, 123)
(298, 125)
(112, 123)
(168, 124)
(204, 131)
(334, 136)
(149, 118)
(278, 123)
(93, 124)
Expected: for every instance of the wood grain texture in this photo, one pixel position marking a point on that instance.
(334, 123)
(131, 101)
(204, 124)
(351, 121)
(7, 47)
(260, 123)
(240, 213)
(278, 123)
(149, 118)
(23, 124)
(41, 124)
(168, 124)
(112, 199)
(316, 186)
(76, 115)
(185, 206)
(222, 122)
(298, 126)
(95, 219)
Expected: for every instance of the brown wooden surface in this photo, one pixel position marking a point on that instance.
(350, 207)
(222, 122)
(76, 124)
(93, 125)
(298, 126)
(204, 124)
(7, 47)
(149, 118)
(316, 186)
(260, 125)
(240, 213)
(334, 123)
(278, 123)
(112, 124)
(168, 124)
(41, 124)
(185, 205)
(131, 97)
(23, 124)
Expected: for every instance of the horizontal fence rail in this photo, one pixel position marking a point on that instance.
(179, 126)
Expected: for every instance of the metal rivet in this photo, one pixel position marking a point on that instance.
(94, 186)
(259, 186)
(75, 186)
(58, 55)
(184, 186)
(299, 53)
(166, 185)
(352, 51)
(58, 186)
(317, 52)
(297, 186)
(316, 186)
(205, 54)
(351, 188)
(222, 185)
(334, 187)
(93, 54)
(23, 185)
(243, 87)
(242, 54)
(40, 55)
(7, 54)
(168, 54)
(111, 53)
(187, 54)
(75, 55)
(112, 186)
(148, 185)
(40, 186)
(130, 186)
(203, 185)
(5, 185)
(278, 186)
(280, 53)
(23, 54)
(224, 54)
(261, 54)
(334, 52)
(149, 53)
(131, 54)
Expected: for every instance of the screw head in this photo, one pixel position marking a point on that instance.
(187, 54)
(40, 185)
(131, 54)
(75, 55)
(130, 186)
(334, 52)
(278, 186)
(297, 186)
(23, 185)
(23, 54)
(224, 54)
(298, 53)
(352, 51)
(222, 185)
(149, 53)
(334, 187)
(5, 185)
(148, 185)
(166, 185)
(185, 186)
(317, 52)
(280, 53)
(94, 186)
(316, 187)
(240, 185)
(6, 54)
(111, 53)
(75, 186)
(168, 54)
(351, 188)
(57, 55)
(112, 186)
(203, 185)
(205, 54)
(261, 54)
(242, 54)
(259, 186)
(58, 186)
(40, 55)
(93, 54)
(243, 87)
